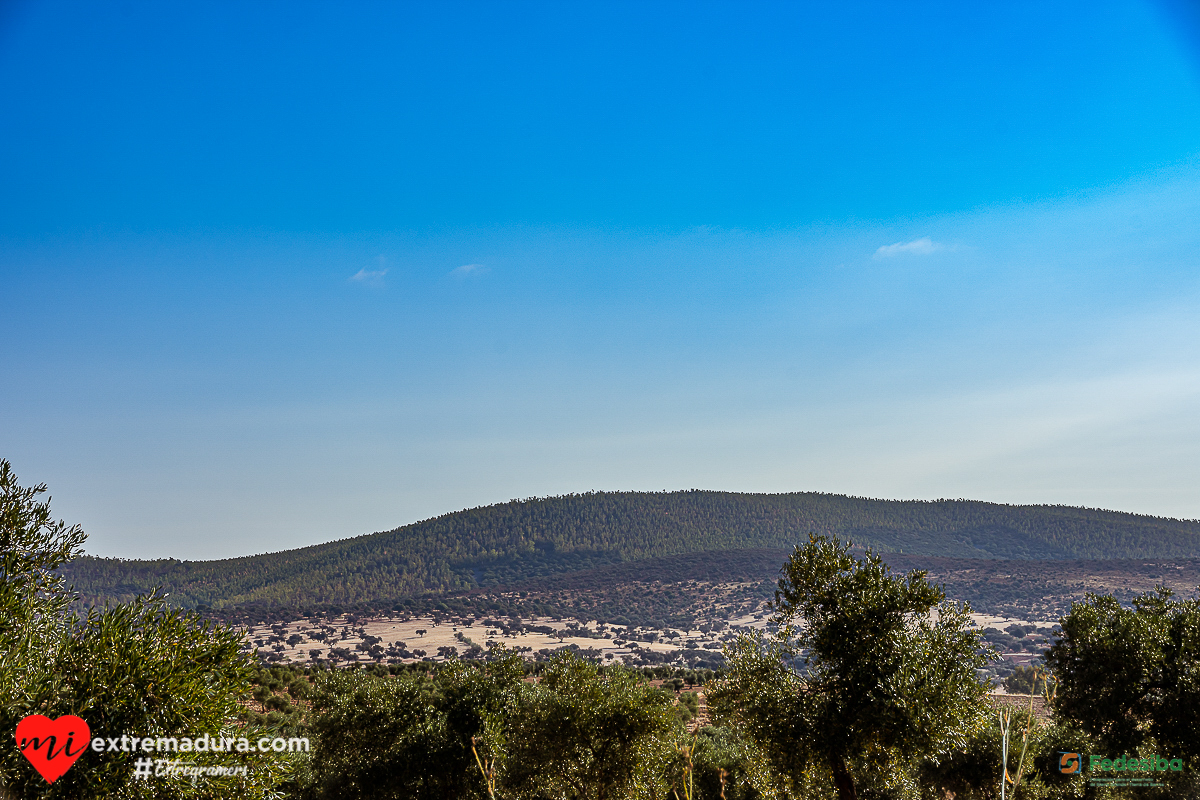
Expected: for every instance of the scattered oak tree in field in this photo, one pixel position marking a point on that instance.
(888, 675)
(1026, 680)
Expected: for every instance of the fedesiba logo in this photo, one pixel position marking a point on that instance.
(1125, 770)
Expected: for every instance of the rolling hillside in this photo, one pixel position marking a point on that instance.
(525, 539)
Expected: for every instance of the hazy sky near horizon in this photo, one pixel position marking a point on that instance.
(282, 273)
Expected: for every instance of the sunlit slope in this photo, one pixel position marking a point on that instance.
(527, 538)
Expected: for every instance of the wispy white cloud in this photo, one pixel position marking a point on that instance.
(917, 247)
(369, 277)
(467, 270)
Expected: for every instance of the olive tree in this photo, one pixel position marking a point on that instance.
(33, 595)
(137, 669)
(1131, 676)
(412, 735)
(868, 675)
(583, 735)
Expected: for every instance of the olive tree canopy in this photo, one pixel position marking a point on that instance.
(135, 669)
(869, 673)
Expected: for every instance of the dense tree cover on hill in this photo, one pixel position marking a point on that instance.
(525, 539)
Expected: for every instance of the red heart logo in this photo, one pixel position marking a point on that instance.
(49, 744)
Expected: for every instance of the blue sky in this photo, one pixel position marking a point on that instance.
(276, 274)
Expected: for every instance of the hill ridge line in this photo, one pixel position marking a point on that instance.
(447, 514)
(534, 537)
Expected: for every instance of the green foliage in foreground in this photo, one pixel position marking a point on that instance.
(1130, 677)
(589, 732)
(883, 684)
(136, 669)
(523, 539)
(474, 731)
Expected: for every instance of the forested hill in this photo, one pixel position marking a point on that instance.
(528, 538)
